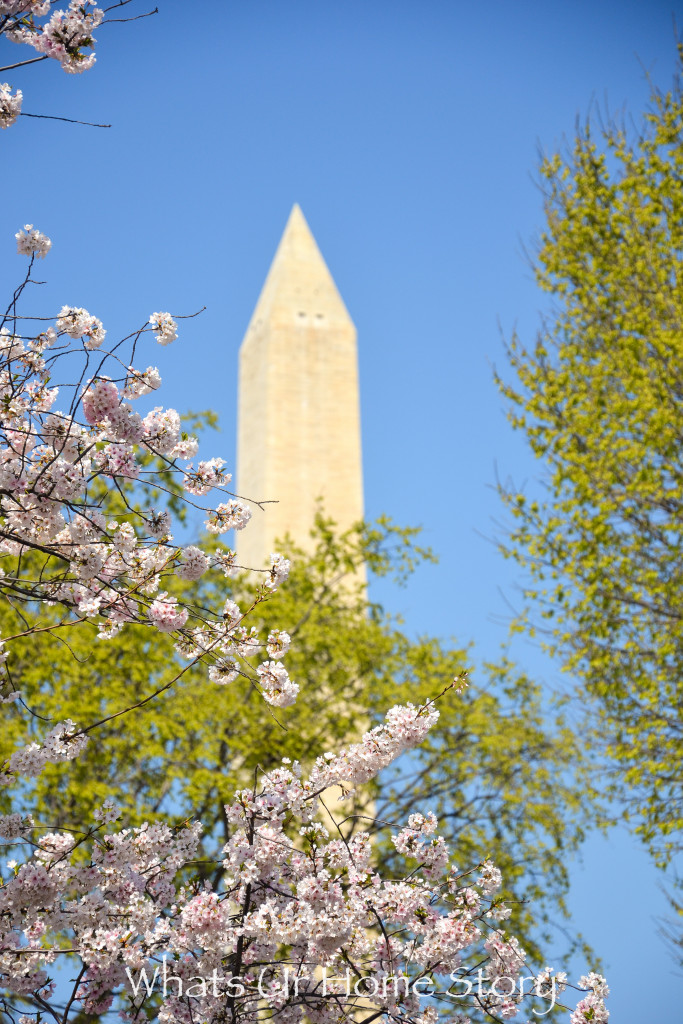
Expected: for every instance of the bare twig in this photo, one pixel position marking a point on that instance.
(71, 120)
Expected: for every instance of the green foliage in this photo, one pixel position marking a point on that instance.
(503, 782)
(600, 398)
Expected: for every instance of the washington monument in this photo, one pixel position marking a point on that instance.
(298, 431)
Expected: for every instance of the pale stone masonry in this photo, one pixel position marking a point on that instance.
(298, 435)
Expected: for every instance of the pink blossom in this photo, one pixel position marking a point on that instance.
(165, 614)
(100, 401)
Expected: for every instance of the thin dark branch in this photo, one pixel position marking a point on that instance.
(23, 63)
(113, 21)
(71, 120)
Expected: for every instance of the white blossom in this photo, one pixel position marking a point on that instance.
(30, 241)
(164, 327)
(193, 565)
(78, 323)
(10, 105)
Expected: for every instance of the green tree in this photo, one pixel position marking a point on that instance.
(502, 781)
(599, 396)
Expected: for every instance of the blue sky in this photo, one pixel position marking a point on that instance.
(409, 132)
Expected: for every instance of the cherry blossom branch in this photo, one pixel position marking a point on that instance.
(66, 36)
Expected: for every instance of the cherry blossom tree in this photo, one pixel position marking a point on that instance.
(298, 926)
(292, 901)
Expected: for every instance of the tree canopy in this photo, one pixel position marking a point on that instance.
(501, 778)
(599, 395)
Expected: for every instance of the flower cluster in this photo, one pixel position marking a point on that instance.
(13, 825)
(194, 563)
(279, 571)
(277, 685)
(62, 743)
(166, 615)
(405, 727)
(230, 515)
(205, 477)
(66, 36)
(10, 105)
(592, 1009)
(278, 643)
(32, 242)
(78, 323)
(164, 327)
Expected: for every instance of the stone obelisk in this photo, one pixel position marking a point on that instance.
(298, 434)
